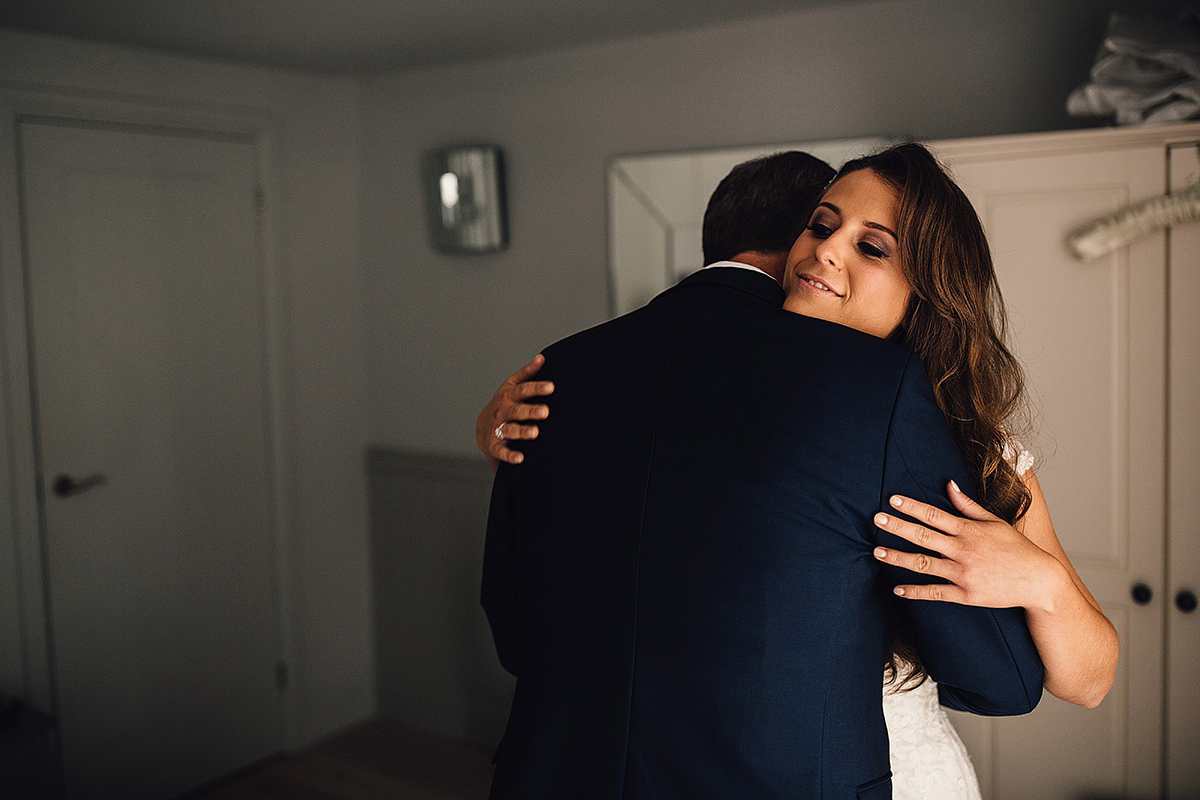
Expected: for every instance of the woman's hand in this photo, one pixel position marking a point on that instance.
(986, 561)
(501, 420)
(990, 563)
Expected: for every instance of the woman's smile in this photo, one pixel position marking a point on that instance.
(811, 283)
(845, 267)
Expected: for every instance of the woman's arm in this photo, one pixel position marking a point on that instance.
(1071, 632)
(993, 564)
(500, 420)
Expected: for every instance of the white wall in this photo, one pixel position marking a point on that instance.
(313, 220)
(444, 330)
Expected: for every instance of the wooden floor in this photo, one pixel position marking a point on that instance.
(375, 761)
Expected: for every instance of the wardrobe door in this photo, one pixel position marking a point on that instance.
(1183, 504)
(1092, 338)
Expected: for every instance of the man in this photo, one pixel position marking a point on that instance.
(751, 220)
(684, 588)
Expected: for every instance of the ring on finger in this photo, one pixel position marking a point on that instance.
(499, 431)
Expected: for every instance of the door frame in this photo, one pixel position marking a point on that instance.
(24, 610)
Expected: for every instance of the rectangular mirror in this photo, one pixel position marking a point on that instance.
(656, 207)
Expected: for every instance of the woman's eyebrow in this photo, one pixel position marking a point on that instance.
(883, 228)
(874, 225)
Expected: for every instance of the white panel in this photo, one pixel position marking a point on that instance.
(437, 665)
(1183, 629)
(1092, 339)
(1070, 319)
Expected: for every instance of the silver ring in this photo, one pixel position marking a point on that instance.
(499, 434)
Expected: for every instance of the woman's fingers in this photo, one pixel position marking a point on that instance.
(511, 402)
(507, 455)
(528, 371)
(942, 592)
(987, 561)
(929, 515)
(523, 391)
(915, 562)
(498, 422)
(508, 431)
(917, 534)
(966, 505)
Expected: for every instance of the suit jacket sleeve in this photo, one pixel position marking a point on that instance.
(984, 660)
(499, 589)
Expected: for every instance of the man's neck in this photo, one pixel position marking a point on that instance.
(774, 264)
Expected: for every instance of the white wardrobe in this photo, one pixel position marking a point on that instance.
(1112, 349)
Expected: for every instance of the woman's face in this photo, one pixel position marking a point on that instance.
(845, 267)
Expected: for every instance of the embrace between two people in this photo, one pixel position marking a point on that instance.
(791, 471)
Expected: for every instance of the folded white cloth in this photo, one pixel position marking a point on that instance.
(1147, 70)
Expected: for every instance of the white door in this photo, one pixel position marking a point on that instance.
(1092, 337)
(1183, 560)
(146, 322)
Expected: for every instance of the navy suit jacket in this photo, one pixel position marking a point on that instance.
(680, 572)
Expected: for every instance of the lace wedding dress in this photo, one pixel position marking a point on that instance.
(929, 761)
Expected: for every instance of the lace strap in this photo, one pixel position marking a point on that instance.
(1021, 459)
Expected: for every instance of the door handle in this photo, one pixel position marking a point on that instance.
(66, 486)
(1142, 594)
(1185, 601)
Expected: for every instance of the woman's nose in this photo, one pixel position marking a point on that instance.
(829, 251)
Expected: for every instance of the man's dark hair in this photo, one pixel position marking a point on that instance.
(762, 205)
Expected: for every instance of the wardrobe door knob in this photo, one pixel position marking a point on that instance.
(1141, 594)
(1185, 601)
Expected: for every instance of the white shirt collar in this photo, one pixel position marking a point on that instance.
(737, 264)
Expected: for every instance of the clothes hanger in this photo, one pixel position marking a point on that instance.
(1122, 227)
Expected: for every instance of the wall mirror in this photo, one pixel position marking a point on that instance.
(656, 206)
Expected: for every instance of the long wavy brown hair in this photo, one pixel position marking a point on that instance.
(956, 324)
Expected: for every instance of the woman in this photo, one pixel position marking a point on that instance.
(895, 249)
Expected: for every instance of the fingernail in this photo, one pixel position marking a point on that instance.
(880, 552)
(881, 519)
(899, 590)
(954, 486)
(895, 500)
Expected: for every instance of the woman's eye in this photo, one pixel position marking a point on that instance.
(820, 231)
(871, 250)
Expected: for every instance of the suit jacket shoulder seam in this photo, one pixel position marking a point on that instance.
(684, 318)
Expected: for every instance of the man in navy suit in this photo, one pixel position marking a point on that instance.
(684, 587)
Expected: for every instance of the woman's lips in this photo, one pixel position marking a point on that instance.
(811, 283)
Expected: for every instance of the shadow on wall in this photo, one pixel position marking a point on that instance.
(436, 666)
